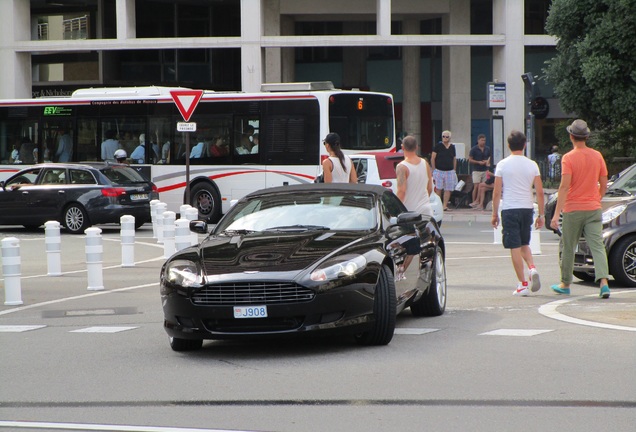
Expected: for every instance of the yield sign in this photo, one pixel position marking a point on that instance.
(186, 101)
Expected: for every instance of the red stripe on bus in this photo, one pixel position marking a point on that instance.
(217, 176)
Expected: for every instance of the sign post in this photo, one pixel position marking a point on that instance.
(186, 101)
(497, 101)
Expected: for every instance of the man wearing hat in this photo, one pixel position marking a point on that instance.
(583, 184)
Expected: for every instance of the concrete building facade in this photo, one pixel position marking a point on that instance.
(435, 56)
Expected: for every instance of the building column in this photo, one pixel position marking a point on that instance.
(508, 63)
(251, 52)
(383, 17)
(456, 73)
(126, 21)
(288, 55)
(411, 81)
(271, 22)
(16, 79)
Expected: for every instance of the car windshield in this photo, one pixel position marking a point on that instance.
(301, 212)
(626, 181)
(121, 175)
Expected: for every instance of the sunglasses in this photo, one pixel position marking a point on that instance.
(445, 136)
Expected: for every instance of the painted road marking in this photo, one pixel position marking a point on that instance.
(19, 328)
(102, 329)
(515, 332)
(414, 331)
(101, 427)
(550, 311)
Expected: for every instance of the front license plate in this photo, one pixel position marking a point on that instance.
(138, 197)
(250, 311)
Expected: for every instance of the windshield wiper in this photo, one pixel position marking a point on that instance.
(617, 192)
(299, 228)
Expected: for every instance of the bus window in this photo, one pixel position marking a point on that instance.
(159, 140)
(87, 140)
(246, 128)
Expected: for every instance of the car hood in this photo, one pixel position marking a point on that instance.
(270, 251)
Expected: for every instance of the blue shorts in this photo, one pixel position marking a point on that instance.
(516, 225)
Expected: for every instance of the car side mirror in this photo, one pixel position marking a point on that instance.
(199, 226)
(408, 218)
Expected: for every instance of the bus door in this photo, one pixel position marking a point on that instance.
(58, 144)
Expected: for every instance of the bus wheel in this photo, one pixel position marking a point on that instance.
(206, 199)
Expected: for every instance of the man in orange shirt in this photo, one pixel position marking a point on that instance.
(583, 184)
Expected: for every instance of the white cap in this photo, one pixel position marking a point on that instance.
(120, 153)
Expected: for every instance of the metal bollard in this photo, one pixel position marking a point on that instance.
(127, 234)
(181, 234)
(168, 233)
(53, 242)
(153, 216)
(11, 270)
(161, 208)
(192, 214)
(94, 251)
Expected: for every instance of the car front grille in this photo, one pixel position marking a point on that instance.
(251, 293)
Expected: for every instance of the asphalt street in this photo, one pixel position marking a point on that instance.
(77, 359)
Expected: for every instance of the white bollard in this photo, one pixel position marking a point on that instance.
(498, 232)
(193, 214)
(168, 234)
(53, 242)
(183, 209)
(153, 216)
(535, 234)
(161, 208)
(94, 251)
(11, 271)
(181, 234)
(127, 234)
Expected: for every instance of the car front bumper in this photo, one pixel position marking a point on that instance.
(348, 306)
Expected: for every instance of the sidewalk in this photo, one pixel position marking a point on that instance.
(472, 215)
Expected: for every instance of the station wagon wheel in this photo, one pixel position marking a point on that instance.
(622, 261)
(75, 219)
(178, 344)
(433, 301)
(384, 311)
(206, 199)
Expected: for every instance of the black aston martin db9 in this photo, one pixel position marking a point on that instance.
(305, 258)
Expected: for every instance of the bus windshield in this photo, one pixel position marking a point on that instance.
(363, 121)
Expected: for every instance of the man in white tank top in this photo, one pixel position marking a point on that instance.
(414, 179)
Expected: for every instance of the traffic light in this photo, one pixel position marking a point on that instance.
(532, 87)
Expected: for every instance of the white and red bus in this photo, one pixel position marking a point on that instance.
(243, 141)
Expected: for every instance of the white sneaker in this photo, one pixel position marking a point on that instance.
(521, 290)
(535, 280)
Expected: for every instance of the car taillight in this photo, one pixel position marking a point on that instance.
(113, 192)
(387, 183)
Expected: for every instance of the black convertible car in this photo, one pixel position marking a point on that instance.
(305, 258)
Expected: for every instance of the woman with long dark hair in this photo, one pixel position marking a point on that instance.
(337, 168)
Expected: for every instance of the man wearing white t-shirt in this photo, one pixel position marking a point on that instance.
(514, 178)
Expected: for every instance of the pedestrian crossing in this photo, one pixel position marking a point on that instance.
(401, 331)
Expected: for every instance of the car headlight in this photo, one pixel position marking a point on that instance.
(612, 213)
(343, 266)
(183, 273)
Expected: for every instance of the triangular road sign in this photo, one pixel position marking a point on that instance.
(186, 101)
